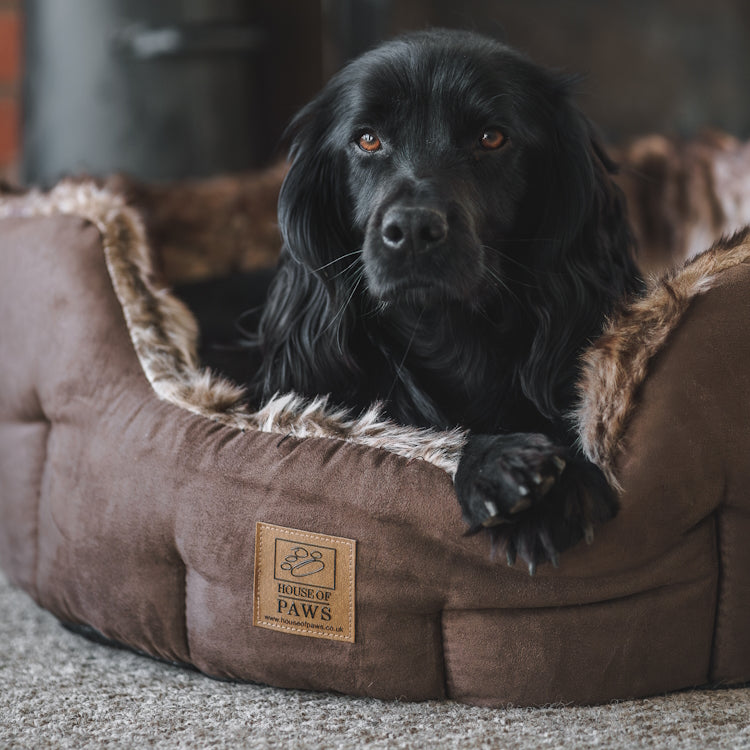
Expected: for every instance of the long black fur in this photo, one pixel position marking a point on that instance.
(508, 262)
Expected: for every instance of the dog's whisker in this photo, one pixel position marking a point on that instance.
(502, 284)
(400, 367)
(510, 259)
(376, 309)
(482, 313)
(346, 304)
(525, 240)
(344, 270)
(336, 260)
(504, 256)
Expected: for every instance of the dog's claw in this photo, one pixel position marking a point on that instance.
(560, 464)
(491, 508)
(549, 548)
(488, 523)
(588, 534)
(547, 485)
(523, 504)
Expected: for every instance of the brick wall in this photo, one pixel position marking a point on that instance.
(10, 87)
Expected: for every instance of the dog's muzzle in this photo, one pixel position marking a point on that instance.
(421, 249)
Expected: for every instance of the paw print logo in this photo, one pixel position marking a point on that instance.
(302, 562)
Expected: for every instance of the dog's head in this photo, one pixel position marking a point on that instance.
(449, 161)
(444, 171)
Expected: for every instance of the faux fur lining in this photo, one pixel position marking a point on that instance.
(616, 365)
(165, 335)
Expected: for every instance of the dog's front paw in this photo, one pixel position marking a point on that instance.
(501, 476)
(534, 499)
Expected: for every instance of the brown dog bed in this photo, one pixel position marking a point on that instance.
(141, 498)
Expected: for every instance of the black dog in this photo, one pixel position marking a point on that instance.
(452, 241)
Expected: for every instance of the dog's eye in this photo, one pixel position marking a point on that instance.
(369, 142)
(492, 139)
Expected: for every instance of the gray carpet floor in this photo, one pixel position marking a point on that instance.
(58, 690)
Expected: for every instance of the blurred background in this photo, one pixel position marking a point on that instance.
(168, 89)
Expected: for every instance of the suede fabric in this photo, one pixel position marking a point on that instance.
(134, 516)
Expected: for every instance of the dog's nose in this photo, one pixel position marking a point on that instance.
(406, 229)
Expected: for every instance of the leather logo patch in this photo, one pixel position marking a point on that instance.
(304, 582)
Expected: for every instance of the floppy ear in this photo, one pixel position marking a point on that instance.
(580, 196)
(583, 253)
(314, 222)
(304, 330)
